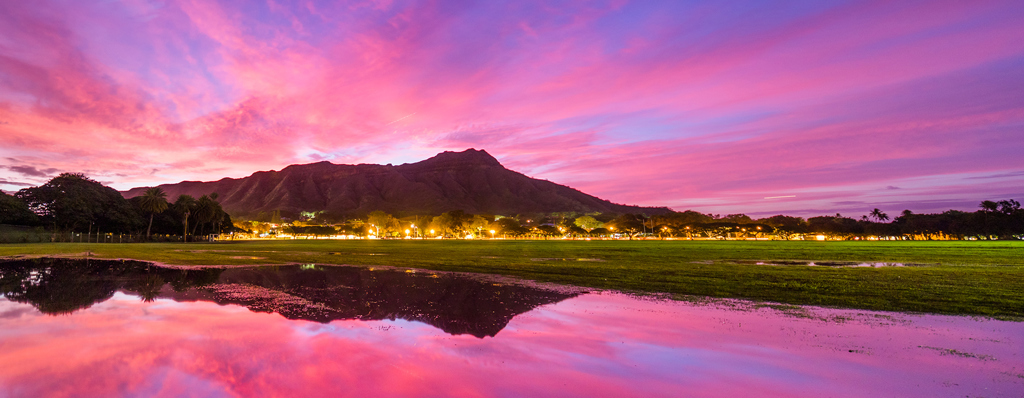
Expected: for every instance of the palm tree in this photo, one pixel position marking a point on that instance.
(185, 204)
(154, 201)
(879, 215)
(218, 212)
(205, 211)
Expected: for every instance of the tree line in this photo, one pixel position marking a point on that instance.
(994, 220)
(73, 203)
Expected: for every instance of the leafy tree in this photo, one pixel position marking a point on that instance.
(921, 225)
(835, 225)
(628, 224)
(737, 219)
(314, 230)
(383, 222)
(509, 226)
(587, 222)
(323, 230)
(548, 230)
(682, 219)
(478, 223)
(795, 224)
(70, 201)
(14, 211)
(450, 223)
(154, 201)
(360, 229)
(440, 224)
(576, 231)
(379, 219)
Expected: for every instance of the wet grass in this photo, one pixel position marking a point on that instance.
(949, 351)
(973, 278)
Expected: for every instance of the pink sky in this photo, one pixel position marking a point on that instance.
(832, 106)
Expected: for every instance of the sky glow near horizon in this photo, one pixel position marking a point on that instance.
(800, 108)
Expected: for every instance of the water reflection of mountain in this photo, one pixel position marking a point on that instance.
(456, 304)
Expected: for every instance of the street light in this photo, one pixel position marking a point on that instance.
(492, 234)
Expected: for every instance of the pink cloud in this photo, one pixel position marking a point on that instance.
(673, 104)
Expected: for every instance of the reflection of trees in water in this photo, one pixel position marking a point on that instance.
(453, 303)
(62, 286)
(149, 287)
(53, 287)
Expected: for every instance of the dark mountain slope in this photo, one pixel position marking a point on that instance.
(471, 180)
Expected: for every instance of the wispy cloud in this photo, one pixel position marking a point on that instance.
(32, 171)
(999, 175)
(4, 181)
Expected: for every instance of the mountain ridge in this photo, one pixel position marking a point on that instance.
(471, 180)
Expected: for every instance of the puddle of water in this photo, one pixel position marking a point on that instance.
(326, 330)
(830, 263)
(854, 264)
(223, 251)
(478, 305)
(247, 257)
(566, 259)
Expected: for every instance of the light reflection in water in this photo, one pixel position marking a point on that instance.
(590, 345)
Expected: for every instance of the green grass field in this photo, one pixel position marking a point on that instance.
(975, 278)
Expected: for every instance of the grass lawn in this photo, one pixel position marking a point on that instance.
(976, 278)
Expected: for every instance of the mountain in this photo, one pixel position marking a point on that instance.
(471, 180)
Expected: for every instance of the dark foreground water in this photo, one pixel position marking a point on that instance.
(112, 328)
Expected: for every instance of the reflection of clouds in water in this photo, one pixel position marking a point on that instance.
(366, 331)
(593, 345)
(10, 309)
(169, 381)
